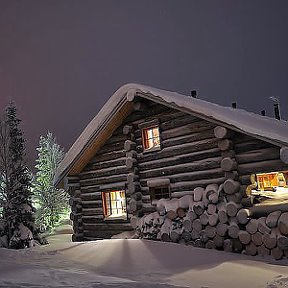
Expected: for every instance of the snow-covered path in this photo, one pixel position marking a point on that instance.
(135, 263)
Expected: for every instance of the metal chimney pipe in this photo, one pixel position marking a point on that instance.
(194, 94)
(234, 105)
(277, 111)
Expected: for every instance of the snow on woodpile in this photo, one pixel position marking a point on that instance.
(210, 218)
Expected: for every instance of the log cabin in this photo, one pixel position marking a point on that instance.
(177, 168)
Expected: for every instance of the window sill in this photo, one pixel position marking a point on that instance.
(113, 218)
(154, 149)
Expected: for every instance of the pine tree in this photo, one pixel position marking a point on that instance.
(51, 202)
(16, 196)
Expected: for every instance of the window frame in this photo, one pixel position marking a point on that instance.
(259, 188)
(145, 138)
(106, 206)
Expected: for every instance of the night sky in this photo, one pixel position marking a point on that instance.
(61, 60)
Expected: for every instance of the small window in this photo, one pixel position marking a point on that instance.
(151, 138)
(272, 186)
(157, 193)
(114, 205)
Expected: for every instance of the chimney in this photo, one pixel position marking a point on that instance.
(263, 112)
(277, 111)
(194, 94)
(234, 104)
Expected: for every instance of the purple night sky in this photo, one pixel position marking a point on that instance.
(61, 60)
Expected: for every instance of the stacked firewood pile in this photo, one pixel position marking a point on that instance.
(207, 219)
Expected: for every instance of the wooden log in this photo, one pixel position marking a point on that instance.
(221, 229)
(134, 205)
(196, 225)
(210, 231)
(243, 216)
(232, 209)
(175, 235)
(213, 198)
(225, 144)
(237, 245)
(270, 240)
(231, 186)
(251, 249)
(218, 241)
(222, 215)
(198, 208)
(233, 231)
(244, 237)
(188, 220)
(252, 226)
(282, 242)
(264, 210)
(213, 219)
(130, 162)
(129, 145)
(198, 194)
(258, 155)
(263, 166)
(211, 209)
(195, 234)
(284, 155)
(171, 215)
(257, 238)
(185, 201)
(204, 218)
(283, 223)
(165, 230)
(228, 245)
(188, 129)
(127, 129)
(221, 132)
(228, 164)
(180, 212)
(203, 236)
(262, 227)
(210, 244)
(277, 253)
(228, 153)
(263, 251)
(247, 201)
(186, 236)
(272, 219)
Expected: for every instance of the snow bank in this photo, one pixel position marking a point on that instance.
(135, 263)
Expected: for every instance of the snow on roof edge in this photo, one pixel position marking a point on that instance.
(263, 126)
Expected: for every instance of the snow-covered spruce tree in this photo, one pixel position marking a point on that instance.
(16, 197)
(51, 202)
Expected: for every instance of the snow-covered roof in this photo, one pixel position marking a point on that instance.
(117, 107)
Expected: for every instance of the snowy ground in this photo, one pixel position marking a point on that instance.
(135, 263)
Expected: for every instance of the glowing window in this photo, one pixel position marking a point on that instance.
(151, 138)
(271, 186)
(114, 204)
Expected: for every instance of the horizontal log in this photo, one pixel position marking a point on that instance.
(93, 218)
(179, 122)
(102, 165)
(104, 188)
(190, 185)
(104, 172)
(253, 144)
(92, 204)
(103, 180)
(264, 154)
(192, 137)
(244, 237)
(225, 144)
(228, 164)
(259, 210)
(200, 165)
(179, 150)
(272, 218)
(270, 241)
(107, 156)
(108, 226)
(92, 211)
